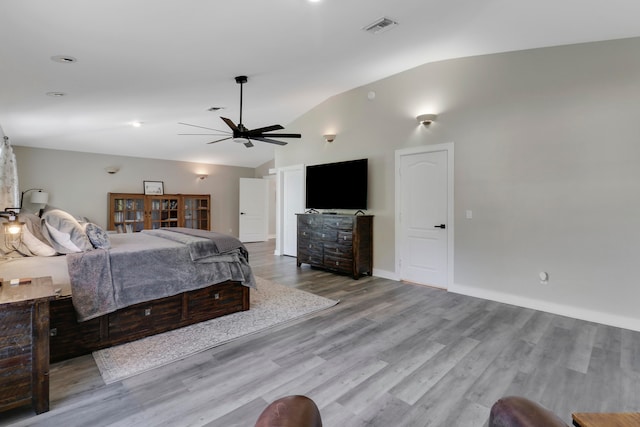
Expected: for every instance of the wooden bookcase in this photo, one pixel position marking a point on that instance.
(129, 212)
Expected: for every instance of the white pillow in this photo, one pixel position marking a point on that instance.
(64, 232)
(35, 246)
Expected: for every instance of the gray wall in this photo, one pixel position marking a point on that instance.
(78, 183)
(547, 155)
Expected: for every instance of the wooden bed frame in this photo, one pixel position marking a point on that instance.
(70, 338)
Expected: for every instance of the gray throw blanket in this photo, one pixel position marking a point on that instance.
(145, 266)
(201, 243)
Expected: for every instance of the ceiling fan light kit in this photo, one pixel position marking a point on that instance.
(241, 134)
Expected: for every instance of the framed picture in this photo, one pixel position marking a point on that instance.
(155, 188)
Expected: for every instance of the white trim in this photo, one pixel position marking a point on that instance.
(448, 147)
(280, 203)
(549, 307)
(391, 275)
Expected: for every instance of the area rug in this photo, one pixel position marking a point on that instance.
(271, 304)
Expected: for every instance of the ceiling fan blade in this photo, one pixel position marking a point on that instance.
(230, 124)
(209, 134)
(248, 144)
(270, 141)
(265, 129)
(218, 140)
(202, 127)
(282, 135)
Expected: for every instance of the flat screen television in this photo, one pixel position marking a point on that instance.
(341, 185)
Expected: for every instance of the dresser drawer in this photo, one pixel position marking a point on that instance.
(342, 264)
(345, 237)
(308, 232)
(310, 257)
(328, 235)
(15, 355)
(309, 221)
(338, 250)
(221, 299)
(68, 337)
(339, 223)
(159, 315)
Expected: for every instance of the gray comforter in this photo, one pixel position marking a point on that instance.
(153, 264)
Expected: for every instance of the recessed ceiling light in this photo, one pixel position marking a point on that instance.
(56, 94)
(136, 124)
(64, 59)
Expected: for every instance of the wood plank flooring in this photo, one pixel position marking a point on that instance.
(390, 354)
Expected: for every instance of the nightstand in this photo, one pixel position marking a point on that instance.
(24, 343)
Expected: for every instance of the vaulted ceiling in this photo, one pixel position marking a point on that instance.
(161, 62)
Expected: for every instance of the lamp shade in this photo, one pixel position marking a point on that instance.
(39, 197)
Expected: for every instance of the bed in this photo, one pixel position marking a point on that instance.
(115, 288)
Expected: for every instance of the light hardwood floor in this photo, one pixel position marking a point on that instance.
(390, 354)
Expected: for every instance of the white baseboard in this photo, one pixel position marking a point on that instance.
(550, 307)
(391, 275)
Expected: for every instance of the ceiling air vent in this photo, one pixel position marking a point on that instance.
(380, 25)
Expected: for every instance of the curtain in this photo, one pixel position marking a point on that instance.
(9, 193)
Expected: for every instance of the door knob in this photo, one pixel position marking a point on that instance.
(440, 226)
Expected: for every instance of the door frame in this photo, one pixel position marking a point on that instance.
(448, 147)
(280, 198)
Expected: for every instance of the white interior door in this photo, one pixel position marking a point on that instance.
(425, 217)
(254, 210)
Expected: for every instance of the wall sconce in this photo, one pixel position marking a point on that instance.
(112, 169)
(12, 228)
(202, 177)
(426, 119)
(329, 137)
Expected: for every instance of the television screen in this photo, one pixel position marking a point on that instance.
(341, 185)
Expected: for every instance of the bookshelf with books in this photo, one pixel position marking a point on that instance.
(130, 212)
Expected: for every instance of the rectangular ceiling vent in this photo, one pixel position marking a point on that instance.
(380, 25)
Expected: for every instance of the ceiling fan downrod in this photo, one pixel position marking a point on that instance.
(241, 80)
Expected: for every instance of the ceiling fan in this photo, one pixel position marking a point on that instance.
(243, 135)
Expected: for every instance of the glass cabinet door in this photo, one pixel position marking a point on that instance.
(196, 212)
(128, 213)
(163, 211)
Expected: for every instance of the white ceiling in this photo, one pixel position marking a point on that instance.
(161, 62)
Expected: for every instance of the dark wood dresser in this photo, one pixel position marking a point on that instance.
(341, 243)
(24, 343)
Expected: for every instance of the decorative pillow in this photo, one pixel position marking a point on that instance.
(35, 246)
(98, 237)
(64, 232)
